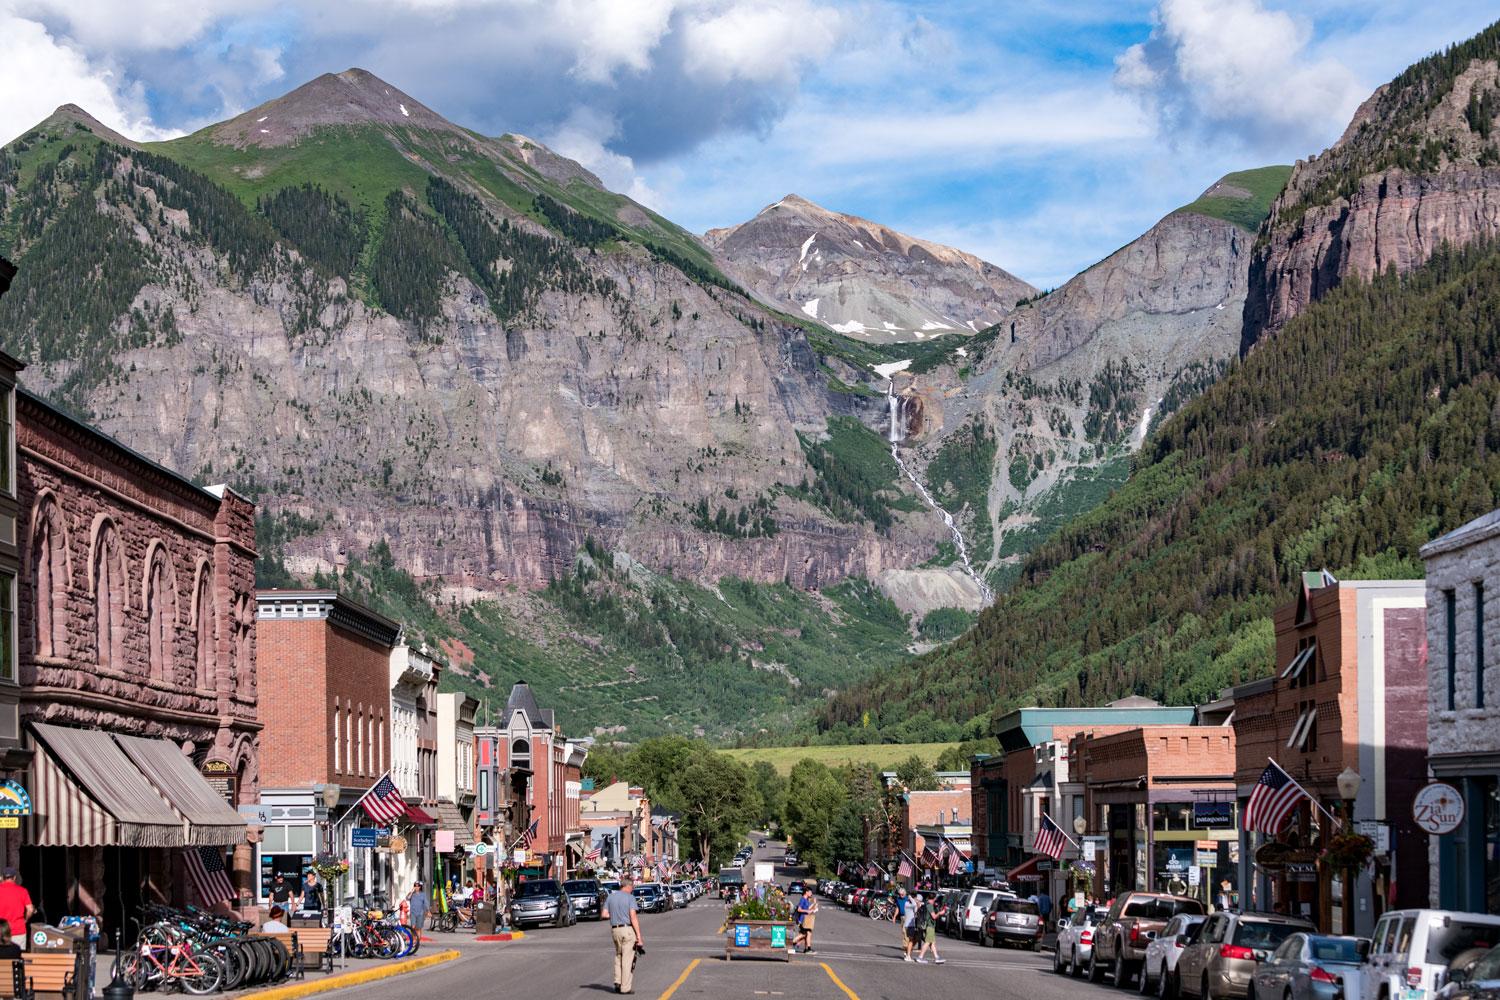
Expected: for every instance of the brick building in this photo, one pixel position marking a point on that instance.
(1161, 798)
(1463, 699)
(1349, 693)
(326, 677)
(528, 757)
(137, 667)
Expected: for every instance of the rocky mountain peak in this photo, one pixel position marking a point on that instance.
(71, 116)
(861, 278)
(351, 98)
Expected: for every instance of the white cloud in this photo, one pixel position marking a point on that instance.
(1236, 68)
(137, 24)
(766, 42)
(30, 53)
(583, 137)
(612, 35)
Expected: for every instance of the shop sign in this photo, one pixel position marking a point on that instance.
(1045, 865)
(519, 856)
(1438, 808)
(1302, 871)
(1378, 832)
(1094, 847)
(1275, 857)
(365, 836)
(742, 935)
(1195, 876)
(10, 822)
(220, 776)
(398, 844)
(14, 800)
(1213, 815)
(258, 814)
(1205, 858)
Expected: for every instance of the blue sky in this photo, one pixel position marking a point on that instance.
(1039, 135)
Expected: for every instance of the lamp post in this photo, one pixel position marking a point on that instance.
(1348, 782)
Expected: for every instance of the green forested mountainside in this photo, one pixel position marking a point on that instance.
(1370, 425)
(643, 654)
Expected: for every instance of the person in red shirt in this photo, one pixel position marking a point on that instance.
(15, 905)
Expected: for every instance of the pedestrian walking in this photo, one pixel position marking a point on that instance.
(807, 912)
(281, 891)
(934, 910)
(15, 905)
(625, 932)
(908, 918)
(311, 899)
(417, 906)
(1044, 907)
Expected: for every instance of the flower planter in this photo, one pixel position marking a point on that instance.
(765, 938)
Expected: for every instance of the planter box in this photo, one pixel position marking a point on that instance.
(765, 938)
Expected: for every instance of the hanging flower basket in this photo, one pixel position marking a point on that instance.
(1348, 850)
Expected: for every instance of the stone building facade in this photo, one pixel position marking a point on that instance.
(136, 620)
(1463, 700)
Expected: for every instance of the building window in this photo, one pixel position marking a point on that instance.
(359, 741)
(1305, 733)
(203, 626)
(161, 614)
(484, 790)
(1299, 672)
(108, 579)
(1450, 635)
(336, 754)
(1479, 645)
(380, 743)
(7, 627)
(520, 753)
(50, 578)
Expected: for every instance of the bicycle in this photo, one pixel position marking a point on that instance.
(165, 957)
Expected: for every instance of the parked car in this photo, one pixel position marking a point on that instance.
(1222, 960)
(1121, 938)
(795, 887)
(541, 901)
(1012, 920)
(587, 895)
(649, 898)
(974, 906)
(948, 906)
(1311, 967)
(1164, 951)
(1476, 980)
(1075, 940)
(1411, 950)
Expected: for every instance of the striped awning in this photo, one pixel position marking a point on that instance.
(210, 821)
(87, 793)
(450, 818)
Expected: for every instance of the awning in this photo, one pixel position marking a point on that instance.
(1025, 872)
(417, 816)
(210, 820)
(450, 818)
(87, 793)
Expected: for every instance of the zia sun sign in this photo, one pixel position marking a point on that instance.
(1438, 808)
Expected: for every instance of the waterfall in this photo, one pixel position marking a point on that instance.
(893, 403)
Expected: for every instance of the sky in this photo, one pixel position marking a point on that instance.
(1039, 134)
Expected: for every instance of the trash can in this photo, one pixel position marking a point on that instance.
(85, 933)
(484, 918)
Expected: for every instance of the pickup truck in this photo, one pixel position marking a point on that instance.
(1121, 938)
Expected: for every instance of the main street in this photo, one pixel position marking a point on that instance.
(854, 957)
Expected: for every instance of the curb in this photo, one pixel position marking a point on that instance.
(502, 936)
(338, 982)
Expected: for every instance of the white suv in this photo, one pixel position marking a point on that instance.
(1410, 951)
(972, 907)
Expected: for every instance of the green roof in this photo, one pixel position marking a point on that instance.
(1026, 727)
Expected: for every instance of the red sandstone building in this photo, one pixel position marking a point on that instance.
(135, 642)
(1349, 694)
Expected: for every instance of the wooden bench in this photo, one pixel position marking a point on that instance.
(42, 974)
(306, 943)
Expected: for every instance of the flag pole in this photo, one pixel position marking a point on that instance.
(1316, 804)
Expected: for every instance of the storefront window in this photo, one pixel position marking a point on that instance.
(287, 850)
(1168, 816)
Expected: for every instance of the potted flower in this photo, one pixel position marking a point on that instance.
(760, 923)
(1348, 850)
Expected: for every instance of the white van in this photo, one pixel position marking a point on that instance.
(974, 905)
(1410, 951)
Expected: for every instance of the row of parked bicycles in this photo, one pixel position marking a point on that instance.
(195, 952)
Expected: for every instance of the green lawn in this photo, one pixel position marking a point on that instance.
(883, 755)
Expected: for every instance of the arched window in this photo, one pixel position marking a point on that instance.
(520, 753)
(51, 577)
(205, 634)
(107, 582)
(244, 668)
(159, 599)
(348, 738)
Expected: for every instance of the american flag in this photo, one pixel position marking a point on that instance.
(1049, 838)
(903, 870)
(873, 871)
(529, 835)
(955, 860)
(592, 855)
(205, 867)
(384, 803)
(929, 860)
(1275, 798)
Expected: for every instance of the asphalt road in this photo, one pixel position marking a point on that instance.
(854, 957)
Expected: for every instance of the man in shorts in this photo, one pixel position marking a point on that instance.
(908, 918)
(807, 912)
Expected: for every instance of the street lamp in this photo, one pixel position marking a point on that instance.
(1348, 783)
(1079, 825)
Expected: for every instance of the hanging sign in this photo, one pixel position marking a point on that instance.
(14, 800)
(1213, 815)
(1438, 808)
(220, 776)
(365, 836)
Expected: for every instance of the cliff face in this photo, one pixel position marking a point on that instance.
(860, 278)
(1418, 167)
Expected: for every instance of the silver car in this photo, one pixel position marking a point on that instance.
(1229, 948)
(1164, 951)
(1311, 967)
(1075, 940)
(542, 901)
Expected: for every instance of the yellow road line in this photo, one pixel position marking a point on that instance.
(357, 978)
(680, 979)
(839, 982)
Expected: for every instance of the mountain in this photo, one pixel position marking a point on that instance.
(1031, 423)
(860, 278)
(1417, 168)
(1361, 425)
